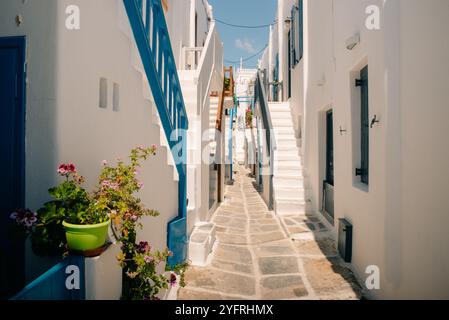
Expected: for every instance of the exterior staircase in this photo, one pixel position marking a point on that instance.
(214, 101)
(288, 180)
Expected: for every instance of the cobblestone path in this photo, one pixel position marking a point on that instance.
(256, 259)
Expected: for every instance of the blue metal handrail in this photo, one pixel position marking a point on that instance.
(52, 284)
(150, 31)
(261, 98)
(232, 115)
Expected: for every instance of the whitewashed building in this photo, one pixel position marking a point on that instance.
(85, 97)
(366, 87)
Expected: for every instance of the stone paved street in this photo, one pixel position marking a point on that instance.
(256, 258)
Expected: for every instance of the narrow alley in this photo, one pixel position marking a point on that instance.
(255, 259)
(224, 150)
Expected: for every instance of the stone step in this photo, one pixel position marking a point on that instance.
(286, 156)
(279, 106)
(280, 115)
(290, 193)
(286, 147)
(288, 173)
(282, 123)
(288, 165)
(187, 76)
(201, 243)
(287, 140)
(293, 150)
(289, 206)
(283, 181)
(285, 135)
(283, 130)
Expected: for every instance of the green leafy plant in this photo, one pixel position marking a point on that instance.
(249, 118)
(70, 203)
(227, 84)
(114, 198)
(117, 195)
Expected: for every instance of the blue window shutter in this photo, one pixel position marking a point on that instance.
(293, 37)
(364, 126)
(301, 29)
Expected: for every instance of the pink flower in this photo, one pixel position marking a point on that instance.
(154, 147)
(170, 254)
(140, 184)
(148, 259)
(143, 247)
(62, 170)
(65, 169)
(173, 279)
(104, 163)
(71, 168)
(110, 185)
(24, 217)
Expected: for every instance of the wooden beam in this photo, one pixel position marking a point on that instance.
(165, 5)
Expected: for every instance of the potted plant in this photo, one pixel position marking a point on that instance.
(85, 227)
(69, 221)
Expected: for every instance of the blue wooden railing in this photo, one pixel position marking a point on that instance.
(55, 284)
(260, 99)
(150, 31)
(232, 115)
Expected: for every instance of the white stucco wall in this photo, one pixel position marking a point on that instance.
(180, 19)
(399, 220)
(64, 121)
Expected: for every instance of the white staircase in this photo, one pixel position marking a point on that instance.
(202, 234)
(136, 62)
(288, 181)
(214, 101)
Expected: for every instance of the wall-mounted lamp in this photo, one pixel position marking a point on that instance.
(352, 42)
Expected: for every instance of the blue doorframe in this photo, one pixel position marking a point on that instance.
(12, 160)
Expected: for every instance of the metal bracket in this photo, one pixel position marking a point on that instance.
(374, 121)
(359, 82)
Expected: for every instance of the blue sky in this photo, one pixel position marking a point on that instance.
(244, 42)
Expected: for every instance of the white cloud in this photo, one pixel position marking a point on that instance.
(246, 45)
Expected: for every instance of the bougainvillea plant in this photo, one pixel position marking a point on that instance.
(117, 194)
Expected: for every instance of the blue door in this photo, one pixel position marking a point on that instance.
(12, 141)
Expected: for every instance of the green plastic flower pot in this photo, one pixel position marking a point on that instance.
(86, 237)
